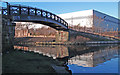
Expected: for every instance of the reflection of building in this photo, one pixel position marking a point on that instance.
(93, 19)
(92, 59)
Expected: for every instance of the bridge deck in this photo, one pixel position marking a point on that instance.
(30, 14)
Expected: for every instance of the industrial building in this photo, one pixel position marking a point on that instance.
(92, 19)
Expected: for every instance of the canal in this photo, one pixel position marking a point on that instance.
(102, 58)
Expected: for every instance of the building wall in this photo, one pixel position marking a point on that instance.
(104, 21)
(88, 18)
(82, 18)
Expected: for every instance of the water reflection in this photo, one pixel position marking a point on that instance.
(95, 56)
(86, 56)
(50, 51)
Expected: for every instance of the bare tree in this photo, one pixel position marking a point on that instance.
(25, 26)
(97, 24)
(28, 26)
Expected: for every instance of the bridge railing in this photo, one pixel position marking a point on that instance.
(18, 10)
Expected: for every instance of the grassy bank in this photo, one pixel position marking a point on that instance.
(17, 61)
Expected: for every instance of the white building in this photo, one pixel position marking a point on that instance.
(91, 18)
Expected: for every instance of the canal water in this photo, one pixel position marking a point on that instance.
(62, 59)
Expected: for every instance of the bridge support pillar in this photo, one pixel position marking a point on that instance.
(8, 32)
(0, 33)
(0, 43)
(62, 36)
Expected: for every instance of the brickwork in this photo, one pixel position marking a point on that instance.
(22, 33)
(0, 33)
(8, 32)
(62, 36)
(0, 44)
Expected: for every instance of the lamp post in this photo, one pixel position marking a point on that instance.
(107, 27)
(105, 21)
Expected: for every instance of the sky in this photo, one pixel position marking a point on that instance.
(63, 0)
(110, 8)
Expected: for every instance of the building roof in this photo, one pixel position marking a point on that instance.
(82, 13)
(75, 14)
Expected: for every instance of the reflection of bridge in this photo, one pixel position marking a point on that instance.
(80, 55)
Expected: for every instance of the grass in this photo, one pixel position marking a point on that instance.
(27, 62)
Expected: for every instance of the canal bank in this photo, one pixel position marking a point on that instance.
(59, 58)
(19, 61)
(66, 43)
